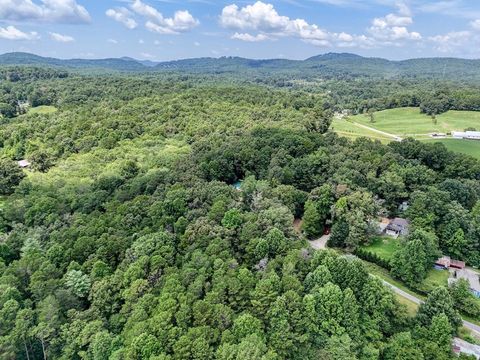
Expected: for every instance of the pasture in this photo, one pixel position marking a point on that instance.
(469, 147)
(409, 122)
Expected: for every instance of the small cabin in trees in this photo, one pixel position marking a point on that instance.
(397, 227)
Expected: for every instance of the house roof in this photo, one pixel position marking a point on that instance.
(444, 261)
(457, 264)
(398, 224)
(466, 133)
(23, 163)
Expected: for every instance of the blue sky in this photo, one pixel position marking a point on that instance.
(296, 29)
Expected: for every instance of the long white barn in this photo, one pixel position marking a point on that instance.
(469, 135)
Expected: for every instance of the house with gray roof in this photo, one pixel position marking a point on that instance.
(397, 227)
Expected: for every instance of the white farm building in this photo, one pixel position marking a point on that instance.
(469, 135)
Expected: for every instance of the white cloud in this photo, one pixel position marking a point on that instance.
(475, 24)
(61, 38)
(145, 55)
(54, 11)
(263, 19)
(182, 20)
(122, 15)
(249, 38)
(403, 9)
(450, 41)
(394, 27)
(112, 41)
(12, 33)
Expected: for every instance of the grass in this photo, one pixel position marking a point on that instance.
(44, 109)
(470, 319)
(434, 279)
(460, 120)
(350, 130)
(385, 275)
(411, 307)
(469, 147)
(410, 122)
(467, 335)
(383, 246)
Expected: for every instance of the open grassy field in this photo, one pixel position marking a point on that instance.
(469, 147)
(383, 246)
(410, 122)
(42, 110)
(350, 130)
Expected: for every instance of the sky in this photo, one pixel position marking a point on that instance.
(161, 30)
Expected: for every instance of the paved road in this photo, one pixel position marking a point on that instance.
(467, 324)
(403, 293)
(320, 244)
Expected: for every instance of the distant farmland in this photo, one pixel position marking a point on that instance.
(409, 122)
(469, 147)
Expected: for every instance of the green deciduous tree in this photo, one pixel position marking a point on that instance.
(439, 302)
(10, 176)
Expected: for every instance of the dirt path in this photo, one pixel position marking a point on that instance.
(396, 137)
(321, 243)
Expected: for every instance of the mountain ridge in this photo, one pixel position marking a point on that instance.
(323, 65)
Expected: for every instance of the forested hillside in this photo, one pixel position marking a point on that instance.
(331, 65)
(125, 238)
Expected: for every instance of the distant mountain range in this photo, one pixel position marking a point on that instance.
(331, 64)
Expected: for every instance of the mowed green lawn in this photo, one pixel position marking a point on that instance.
(383, 246)
(469, 147)
(410, 122)
(350, 130)
(434, 279)
(44, 109)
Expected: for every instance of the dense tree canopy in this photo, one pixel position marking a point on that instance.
(127, 240)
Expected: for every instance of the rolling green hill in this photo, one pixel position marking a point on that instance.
(19, 58)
